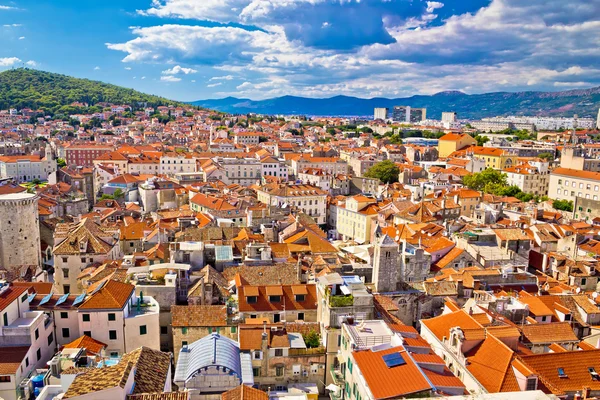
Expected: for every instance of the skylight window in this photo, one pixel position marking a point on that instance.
(561, 373)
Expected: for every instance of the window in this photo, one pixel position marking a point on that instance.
(27, 360)
(50, 339)
(251, 299)
(184, 331)
(234, 329)
(300, 297)
(143, 330)
(86, 317)
(278, 352)
(112, 317)
(583, 281)
(531, 384)
(276, 318)
(275, 299)
(23, 298)
(257, 355)
(65, 273)
(65, 332)
(279, 371)
(256, 371)
(301, 316)
(87, 333)
(64, 315)
(5, 379)
(37, 334)
(164, 330)
(64, 259)
(252, 316)
(38, 354)
(5, 318)
(184, 343)
(112, 335)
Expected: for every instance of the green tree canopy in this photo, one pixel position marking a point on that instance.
(479, 180)
(564, 205)
(546, 156)
(386, 171)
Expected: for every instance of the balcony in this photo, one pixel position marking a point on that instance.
(338, 376)
(148, 306)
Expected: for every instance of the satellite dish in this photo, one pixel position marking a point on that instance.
(594, 295)
(578, 290)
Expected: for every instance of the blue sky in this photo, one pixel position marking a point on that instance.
(196, 49)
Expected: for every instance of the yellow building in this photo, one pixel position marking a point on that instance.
(452, 142)
(356, 218)
(495, 158)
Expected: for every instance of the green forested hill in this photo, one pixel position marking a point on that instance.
(28, 88)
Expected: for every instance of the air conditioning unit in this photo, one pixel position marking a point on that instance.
(55, 369)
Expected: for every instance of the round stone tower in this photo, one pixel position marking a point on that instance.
(19, 230)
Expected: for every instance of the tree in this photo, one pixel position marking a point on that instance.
(60, 162)
(481, 140)
(546, 156)
(479, 180)
(386, 171)
(564, 205)
(312, 339)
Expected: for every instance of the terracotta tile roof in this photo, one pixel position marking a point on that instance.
(288, 300)
(149, 366)
(152, 367)
(244, 392)
(92, 235)
(264, 275)
(440, 326)
(11, 359)
(199, 315)
(11, 294)
(35, 287)
(575, 173)
(548, 333)
(387, 382)
(575, 365)
(113, 296)
(91, 345)
(490, 362)
(251, 337)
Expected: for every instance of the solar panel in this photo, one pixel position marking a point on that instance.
(62, 299)
(79, 299)
(393, 360)
(46, 299)
(31, 297)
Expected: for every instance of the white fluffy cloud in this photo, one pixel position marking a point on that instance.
(508, 45)
(169, 78)
(31, 63)
(179, 70)
(9, 61)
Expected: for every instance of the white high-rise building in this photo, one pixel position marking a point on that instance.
(381, 113)
(449, 116)
(598, 120)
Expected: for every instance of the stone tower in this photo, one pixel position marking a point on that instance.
(19, 230)
(386, 261)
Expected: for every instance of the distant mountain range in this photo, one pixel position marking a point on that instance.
(584, 102)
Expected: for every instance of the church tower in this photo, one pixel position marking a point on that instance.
(386, 261)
